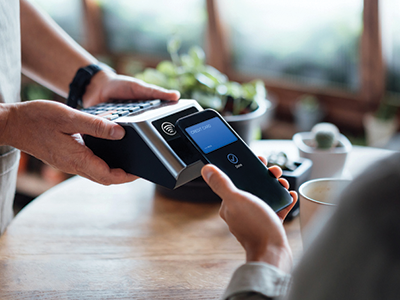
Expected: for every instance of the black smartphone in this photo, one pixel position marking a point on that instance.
(220, 145)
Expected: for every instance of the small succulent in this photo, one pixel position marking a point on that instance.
(326, 135)
(281, 160)
(308, 103)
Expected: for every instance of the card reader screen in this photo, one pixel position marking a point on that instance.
(211, 135)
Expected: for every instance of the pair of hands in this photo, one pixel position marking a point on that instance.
(254, 224)
(52, 131)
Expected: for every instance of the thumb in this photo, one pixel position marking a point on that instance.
(97, 127)
(218, 181)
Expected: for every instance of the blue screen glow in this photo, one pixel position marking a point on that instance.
(211, 135)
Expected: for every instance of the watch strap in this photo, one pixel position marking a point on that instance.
(77, 87)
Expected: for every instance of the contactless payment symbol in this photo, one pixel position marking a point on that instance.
(168, 128)
(232, 158)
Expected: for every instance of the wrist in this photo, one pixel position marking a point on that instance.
(279, 256)
(94, 90)
(85, 78)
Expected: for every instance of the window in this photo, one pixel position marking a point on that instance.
(330, 49)
(68, 14)
(144, 27)
(390, 16)
(310, 41)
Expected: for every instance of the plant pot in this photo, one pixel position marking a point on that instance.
(306, 119)
(326, 163)
(296, 178)
(245, 125)
(378, 131)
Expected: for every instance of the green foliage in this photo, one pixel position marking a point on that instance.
(34, 91)
(189, 74)
(309, 103)
(388, 107)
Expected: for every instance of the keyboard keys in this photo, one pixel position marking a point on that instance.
(144, 105)
(123, 113)
(114, 110)
(111, 117)
(133, 109)
(154, 102)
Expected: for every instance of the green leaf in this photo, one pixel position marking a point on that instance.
(167, 68)
(198, 56)
(188, 63)
(206, 80)
(214, 73)
(188, 81)
(234, 89)
(173, 45)
(207, 101)
(154, 77)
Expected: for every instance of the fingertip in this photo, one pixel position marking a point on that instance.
(294, 195)
(276, 171)
(284, 212)
(218, 181)
(206, 172)
(263, 159)
(117, 132)
(120, 176)
(284, 183)
(175, 95)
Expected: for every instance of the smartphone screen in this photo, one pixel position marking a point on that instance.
(211, 135)
(220, 145)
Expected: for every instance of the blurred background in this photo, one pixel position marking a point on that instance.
(340, 56)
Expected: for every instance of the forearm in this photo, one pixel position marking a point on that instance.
(4, 113)
(49, 55)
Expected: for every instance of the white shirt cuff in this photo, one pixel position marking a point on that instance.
(260, 278)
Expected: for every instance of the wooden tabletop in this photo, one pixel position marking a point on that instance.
(83, 240)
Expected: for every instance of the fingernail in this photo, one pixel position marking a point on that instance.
(206, 172)
(117, 132)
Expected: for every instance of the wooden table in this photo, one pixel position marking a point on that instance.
(83, 240)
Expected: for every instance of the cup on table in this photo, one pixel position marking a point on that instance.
(318, 197)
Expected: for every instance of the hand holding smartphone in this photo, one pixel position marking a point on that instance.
(218, 144)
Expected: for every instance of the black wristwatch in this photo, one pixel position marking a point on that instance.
(77, 87)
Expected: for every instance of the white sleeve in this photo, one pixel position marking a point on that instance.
(255, 281)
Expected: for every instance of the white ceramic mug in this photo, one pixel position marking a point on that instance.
(318, 196)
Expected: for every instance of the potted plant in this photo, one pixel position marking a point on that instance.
(295, 172)
(326, 147)
(243, 105)
(307, 112)
(382, 125)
